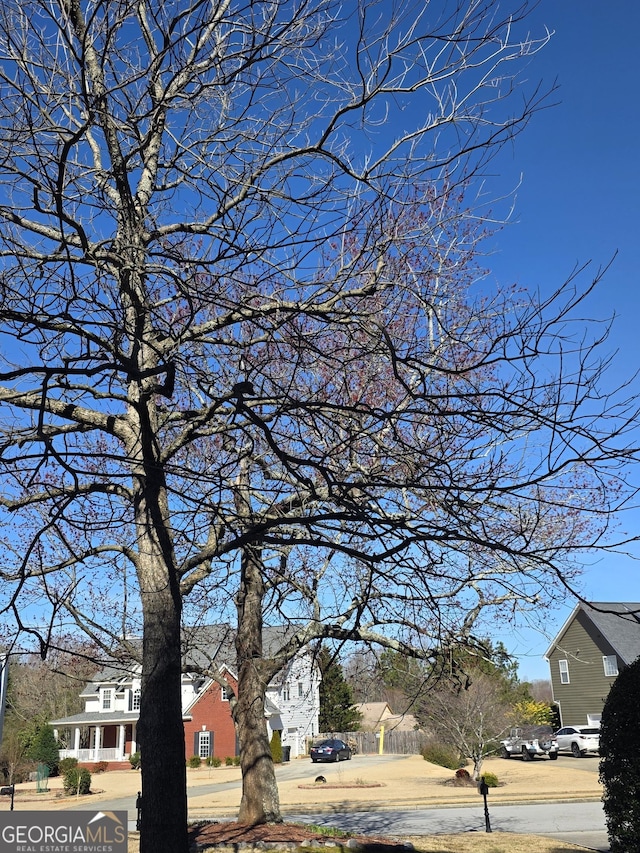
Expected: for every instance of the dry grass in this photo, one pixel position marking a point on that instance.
(469, 842)
(495, 842)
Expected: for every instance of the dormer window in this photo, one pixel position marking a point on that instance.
(107, 698)
(135, 699)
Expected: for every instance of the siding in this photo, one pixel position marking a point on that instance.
(583, 647)
(299, 714)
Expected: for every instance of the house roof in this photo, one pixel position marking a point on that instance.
(202, 646)
(373, 715)
(617, 621)
(102, 717)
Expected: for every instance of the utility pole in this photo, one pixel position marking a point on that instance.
(4, 679)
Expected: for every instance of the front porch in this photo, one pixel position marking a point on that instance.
(113, 743)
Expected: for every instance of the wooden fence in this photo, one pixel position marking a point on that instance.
(368, 743)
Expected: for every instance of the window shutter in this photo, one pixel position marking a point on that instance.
(196, 743)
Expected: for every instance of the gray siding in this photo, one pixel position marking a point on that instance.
(583, 647)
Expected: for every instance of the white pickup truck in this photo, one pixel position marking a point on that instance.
(529, 741)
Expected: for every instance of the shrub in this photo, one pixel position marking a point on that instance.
(276, 747)
(77, 780)
(441, 754)
(67, 764)
(228, 761)
(236, 761)
(100, 767)
(213, 761)
(619, 766)
(194, 761)
(490, 780)
(461, 773)
(134, 761)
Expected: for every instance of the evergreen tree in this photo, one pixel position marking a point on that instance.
(337, 712)
(619, 769)
(276, 746)
(44, 748)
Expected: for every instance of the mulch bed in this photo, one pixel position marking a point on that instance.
(231, 834)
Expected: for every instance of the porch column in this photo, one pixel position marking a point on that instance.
(134, 731)
(98, 743)
(121, 740)
(76, 740)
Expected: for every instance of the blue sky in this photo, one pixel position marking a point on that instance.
(580, 201)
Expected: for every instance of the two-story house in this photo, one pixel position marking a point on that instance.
(593, 645)
(106, 729)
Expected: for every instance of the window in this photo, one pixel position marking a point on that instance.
(135, 700)
(300, 690)
(204, 744)
(610, 665)
(563, 665)
(106, 699)
(224, 694)
(286, 693)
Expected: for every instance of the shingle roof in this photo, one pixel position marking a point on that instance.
(620, 625)
(617, 621)
(101, 717)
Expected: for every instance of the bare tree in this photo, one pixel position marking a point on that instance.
(249, 363)
(471, 718)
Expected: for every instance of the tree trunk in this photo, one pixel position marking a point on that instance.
(161, 734)
(260, 801)
(161, 730)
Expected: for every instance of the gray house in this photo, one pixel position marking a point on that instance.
(594, 644)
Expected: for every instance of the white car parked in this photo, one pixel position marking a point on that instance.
(579, 739)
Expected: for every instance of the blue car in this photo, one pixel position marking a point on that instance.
(330, 750)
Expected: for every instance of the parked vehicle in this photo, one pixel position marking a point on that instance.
(529, 741)
(579, 739)
(330, 750)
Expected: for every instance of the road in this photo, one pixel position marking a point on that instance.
(577, 823)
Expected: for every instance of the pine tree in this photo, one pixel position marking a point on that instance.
(337, 712)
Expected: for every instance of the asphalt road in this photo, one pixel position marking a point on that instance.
(578, 823)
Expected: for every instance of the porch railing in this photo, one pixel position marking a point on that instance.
(87, 755)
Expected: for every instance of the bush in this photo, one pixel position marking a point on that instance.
(213, 761)
(67, 764)
(236, 761)
(461, 773)
(77, 780)
(276, 747)
(441, 754)
(194, 761)
(228, 761)
(134, 761)
(100, 767)
(619, 766)
(490, 780)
